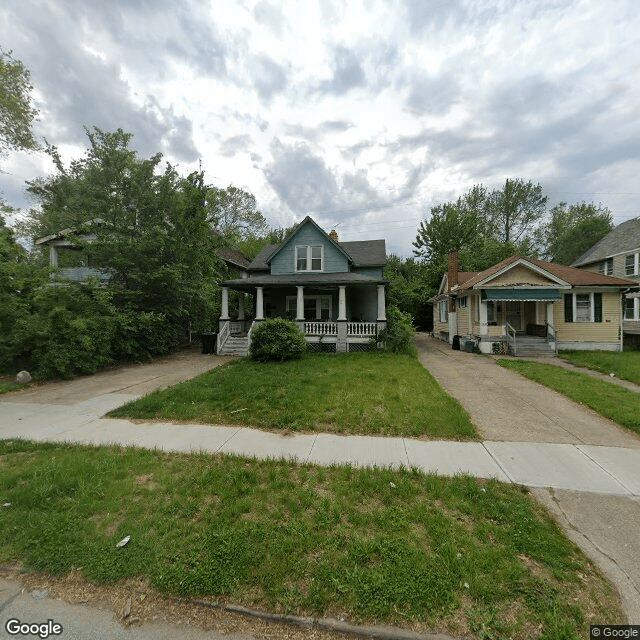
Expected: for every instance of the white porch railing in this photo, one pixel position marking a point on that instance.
(223, 335)
(321, 328)
(362, 328)
(511, 337)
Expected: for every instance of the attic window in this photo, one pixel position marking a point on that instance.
(308, 258)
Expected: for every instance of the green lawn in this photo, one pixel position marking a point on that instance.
(607, 399)
(372, 393)
(625, 365)
(459, 555)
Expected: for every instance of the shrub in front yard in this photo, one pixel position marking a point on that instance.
(398, 334)
(277, 340)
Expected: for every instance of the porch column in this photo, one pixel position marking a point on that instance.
(381, 305)
(483, 318)
(224, 315)
(241, 306)
(259, 304)
(342, 302)
(53, 255)
(300, 304)
(550, 313)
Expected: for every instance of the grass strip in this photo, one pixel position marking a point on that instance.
(626, 364)
(607, 399)
(370, 545)
(365, 393)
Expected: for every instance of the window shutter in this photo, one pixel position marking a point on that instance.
(568, 307)
(597, 307)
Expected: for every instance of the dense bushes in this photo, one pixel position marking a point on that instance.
(76, 328)
(277, 340)
(398, 334)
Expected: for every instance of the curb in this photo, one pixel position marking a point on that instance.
(323, 624)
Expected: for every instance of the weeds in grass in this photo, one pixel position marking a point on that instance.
(372, 545)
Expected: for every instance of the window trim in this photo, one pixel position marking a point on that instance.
(592, 308)
(309, 261)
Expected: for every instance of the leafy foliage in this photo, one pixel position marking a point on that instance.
(398, 334)
(410, 287)
(277, 339)
(16, 110)
(148, 229)
(572, 230)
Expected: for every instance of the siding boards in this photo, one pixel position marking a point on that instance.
(333, 260)
(605, 331)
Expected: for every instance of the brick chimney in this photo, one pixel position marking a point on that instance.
(452, 274)
(333, 235)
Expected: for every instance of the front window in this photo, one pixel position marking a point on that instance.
(462, 302)
(491, 312)
(308, 258)
(315, 307)
(583, 308)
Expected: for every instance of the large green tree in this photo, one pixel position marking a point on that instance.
(16, 108)
(153, 234)
(571, 230)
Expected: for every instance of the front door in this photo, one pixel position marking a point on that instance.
(513, 314)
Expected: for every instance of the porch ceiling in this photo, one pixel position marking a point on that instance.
(298, 279)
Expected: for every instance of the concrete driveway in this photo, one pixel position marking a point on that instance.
(508, 407)
(536, 433)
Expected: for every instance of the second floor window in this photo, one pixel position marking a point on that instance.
(308, 258)
(630, 265)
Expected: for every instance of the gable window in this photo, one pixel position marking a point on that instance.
(630, 265)
(309, 258)
(583, 307)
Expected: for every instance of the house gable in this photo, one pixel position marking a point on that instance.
(283, 260)
(522, 273)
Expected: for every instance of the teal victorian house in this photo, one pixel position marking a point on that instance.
(334, 291)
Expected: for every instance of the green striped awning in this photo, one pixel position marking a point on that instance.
(527, 295)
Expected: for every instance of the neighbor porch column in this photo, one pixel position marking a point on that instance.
(342, 302)
(300, 304)
(241, 306)
(53, 255)
(381, 304)
(259, 304)
(224, 314)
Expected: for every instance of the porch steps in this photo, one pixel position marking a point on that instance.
(235, 346)
(531, 347)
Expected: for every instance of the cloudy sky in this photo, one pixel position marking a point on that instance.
(361, 113)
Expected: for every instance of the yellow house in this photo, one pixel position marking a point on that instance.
(525, 306)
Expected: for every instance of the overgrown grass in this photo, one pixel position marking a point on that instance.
(374, 393)
(625, 365)
(607, 399)
(7, 384)
(397, 547)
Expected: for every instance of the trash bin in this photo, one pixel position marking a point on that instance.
(469, 346)
(456, 343)
(209, 342)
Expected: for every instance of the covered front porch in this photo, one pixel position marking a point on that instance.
(333, 317)
(522, 319)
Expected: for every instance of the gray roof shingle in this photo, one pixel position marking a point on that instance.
(625, 237)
